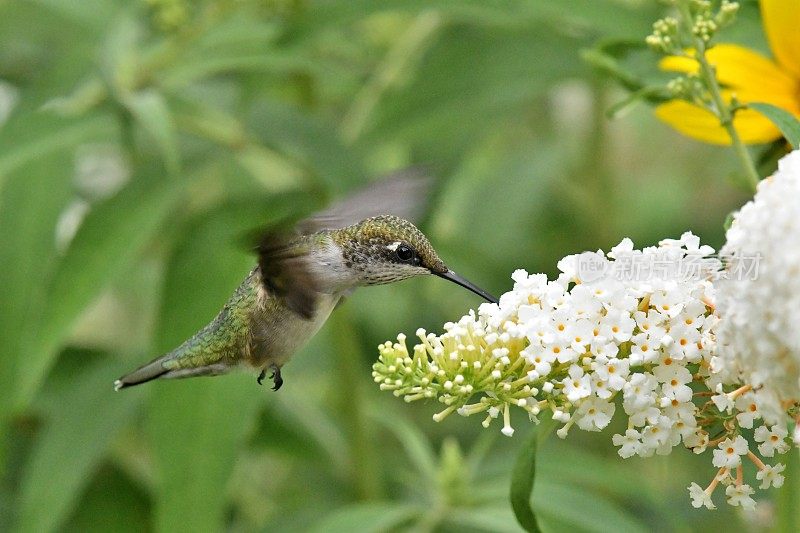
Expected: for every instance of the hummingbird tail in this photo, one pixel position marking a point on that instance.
(213, 350)
(156, 370)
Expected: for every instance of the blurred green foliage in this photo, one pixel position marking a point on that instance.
(143, 138)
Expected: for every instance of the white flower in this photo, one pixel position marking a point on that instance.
(697, 441)
(651, 323)
(669, 303)
(759, 298)
(624, 248)
(740, 495)
(507, 430)
(595, 414)
(771, 476)
(629, 443)
(578, 385)
(614, 373)
(657, 437)
(644, 349)
(723, 402)
(683, 417)
(639, 392)
(674, 377)
(729, 452)
(748, 410)
(581, 334)
(685, 339)
(772, 440)
(540, 359)
(670, 369)
(617, 325)
(700, 497)
(582, 302)
(576, 347)
(561, 352)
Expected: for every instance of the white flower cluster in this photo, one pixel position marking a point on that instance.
(759, 341)
(617, 335)
(632, 328)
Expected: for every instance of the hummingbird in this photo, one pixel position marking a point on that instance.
(302, 275)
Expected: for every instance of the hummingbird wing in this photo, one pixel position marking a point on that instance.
(403, 194)
(283, 255)
(285, 272)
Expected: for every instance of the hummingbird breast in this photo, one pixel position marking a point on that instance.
(277, 332)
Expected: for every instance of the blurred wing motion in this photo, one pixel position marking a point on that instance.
(284, 262)
(403, 194)
(285, 272)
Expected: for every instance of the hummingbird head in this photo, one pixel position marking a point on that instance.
(386, 248)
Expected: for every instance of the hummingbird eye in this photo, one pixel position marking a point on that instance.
(405, 253)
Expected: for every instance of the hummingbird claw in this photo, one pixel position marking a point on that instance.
(277, 380)
(261, 377)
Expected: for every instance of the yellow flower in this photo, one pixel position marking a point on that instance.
(749, 76)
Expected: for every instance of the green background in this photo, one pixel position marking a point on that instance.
(220, 116)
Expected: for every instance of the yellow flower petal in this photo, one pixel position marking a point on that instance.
(782, 26)
(745, 72)
(700, 124)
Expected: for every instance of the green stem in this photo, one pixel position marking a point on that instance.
(523, 476)
(406, 51)
(721, 109)
(350, 372)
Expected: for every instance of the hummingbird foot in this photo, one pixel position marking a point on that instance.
(277, 380)
(261, 376)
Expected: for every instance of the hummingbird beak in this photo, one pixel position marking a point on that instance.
(458, 280)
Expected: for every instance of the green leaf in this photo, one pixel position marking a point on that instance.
(78, 431)
(444, 85)
(198, 426)
(149, 108)
(30, 204)
(785, 121)
(574, 465)
(109, 239)
(567, 508)
(308, 141)
(524, 474)
(729, 220)
(787, 516)
(373, 517)
(125, 512)
(416, 445)
(493, 519)
(652, 95)
(27, 137)
(609, 64)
